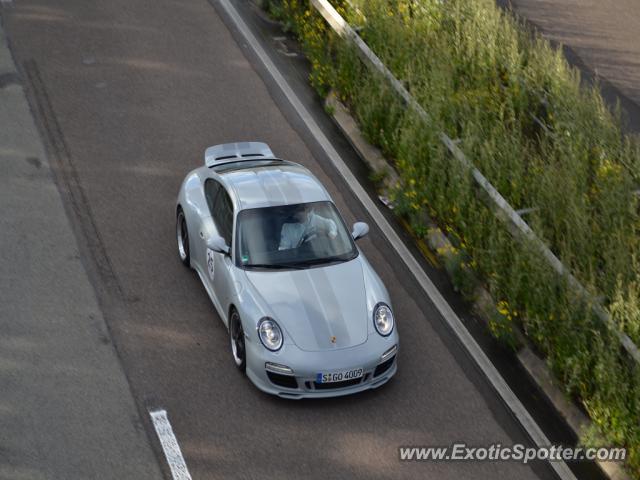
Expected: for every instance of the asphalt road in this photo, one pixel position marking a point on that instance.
(128, 94)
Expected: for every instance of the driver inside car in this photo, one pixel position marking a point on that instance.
(307, 224)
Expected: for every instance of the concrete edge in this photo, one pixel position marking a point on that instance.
(483, 303)
(371, 155)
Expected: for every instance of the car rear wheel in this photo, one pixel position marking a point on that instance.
(182, 236)
(236, 337)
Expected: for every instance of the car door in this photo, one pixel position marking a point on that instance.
(219, 265)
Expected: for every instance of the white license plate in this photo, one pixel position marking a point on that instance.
(339, 376)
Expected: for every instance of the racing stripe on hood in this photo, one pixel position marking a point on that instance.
(322, 309)
(316, 304)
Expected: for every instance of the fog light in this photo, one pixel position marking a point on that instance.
(277, 368)
(389, 353)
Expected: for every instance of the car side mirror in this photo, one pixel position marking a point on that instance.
(218, 244)
(360, 229)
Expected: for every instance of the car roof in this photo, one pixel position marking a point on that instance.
(270, 183)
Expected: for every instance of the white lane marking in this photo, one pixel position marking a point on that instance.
(489, 370)
(179, 470)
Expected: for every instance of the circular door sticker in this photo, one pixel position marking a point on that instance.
(210, 262)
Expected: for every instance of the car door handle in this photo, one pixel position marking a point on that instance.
(201, 235)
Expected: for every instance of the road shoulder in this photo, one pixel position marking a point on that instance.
(66, 409)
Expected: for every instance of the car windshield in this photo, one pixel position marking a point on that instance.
(292, 236)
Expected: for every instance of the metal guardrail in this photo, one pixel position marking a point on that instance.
(503, 210)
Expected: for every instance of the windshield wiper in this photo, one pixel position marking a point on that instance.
(318, 261)
(274, 266)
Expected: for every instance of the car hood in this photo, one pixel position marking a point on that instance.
(321, 308)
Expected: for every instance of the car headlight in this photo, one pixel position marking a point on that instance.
(383, 319)
(270, 334)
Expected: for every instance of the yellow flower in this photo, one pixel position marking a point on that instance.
(503, 307)
(608, 169)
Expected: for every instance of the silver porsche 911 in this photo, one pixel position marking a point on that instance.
(306, 313)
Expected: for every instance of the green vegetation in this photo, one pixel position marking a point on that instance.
(542, 139)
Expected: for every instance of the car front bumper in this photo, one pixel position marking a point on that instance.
(306, 366)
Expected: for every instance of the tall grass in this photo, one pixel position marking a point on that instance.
(543, 140)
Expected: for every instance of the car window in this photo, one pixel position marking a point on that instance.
(221, 208)
(224, 215)
(298, 235)
(211, 189)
